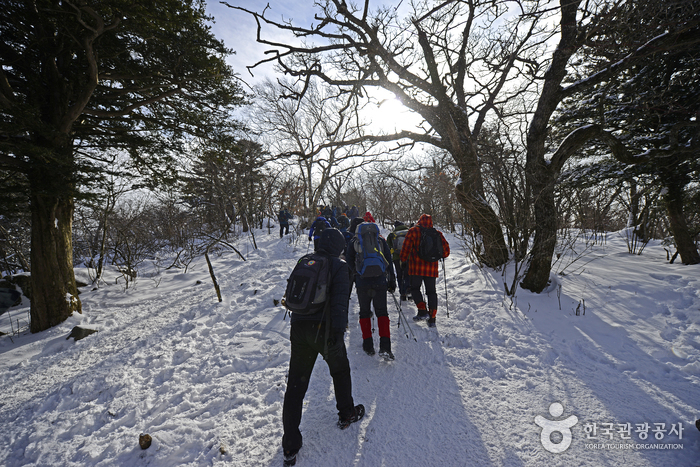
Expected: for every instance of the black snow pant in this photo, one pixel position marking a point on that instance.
(402, 278)
(430, 290)
(372, 295)
(307, 344)
(284, 230)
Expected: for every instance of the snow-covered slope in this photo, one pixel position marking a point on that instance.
(206, 379)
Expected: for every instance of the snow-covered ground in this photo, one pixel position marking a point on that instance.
(206, 379)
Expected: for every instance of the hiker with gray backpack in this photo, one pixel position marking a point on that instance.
(317, 297)
(374, 276)
(395, 240)
(423, 248)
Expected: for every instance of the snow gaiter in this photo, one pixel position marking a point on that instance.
(383, 325)
(366, 327)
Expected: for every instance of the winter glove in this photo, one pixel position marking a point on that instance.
(392, 287)
(336, 340)
(404, 266)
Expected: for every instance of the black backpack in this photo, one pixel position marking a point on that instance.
(308, 285)
(430, 245)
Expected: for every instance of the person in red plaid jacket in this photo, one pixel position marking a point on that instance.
(422, 272)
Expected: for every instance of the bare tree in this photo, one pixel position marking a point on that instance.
(581, 24)
(288, 191)
(297, 128)
(458, 63)
(93, 218)
(452, 64)
(132, 237)
(406, 189)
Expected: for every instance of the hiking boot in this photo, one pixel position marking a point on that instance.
(290, 458)
(385, 348)
(431, 322)
(357, 413)
(368, 346)
(403, 297)
(422, 314)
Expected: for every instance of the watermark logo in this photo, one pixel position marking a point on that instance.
(550, 427)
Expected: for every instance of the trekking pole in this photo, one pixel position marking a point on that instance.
(444, 277)
(405, 321)
(398, 308)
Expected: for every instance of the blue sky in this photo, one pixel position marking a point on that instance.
(238, 30)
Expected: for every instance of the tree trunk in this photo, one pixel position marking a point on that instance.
(540, 174)
(495, 249)
(54, 293)
(103, 250)
(244, 220)
(636, 219)
(103, 240)
(542, 181)
(673, 200)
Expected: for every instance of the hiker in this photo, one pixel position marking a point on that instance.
(354, 212)
(283, 218)
(374, 276)
(308, 339)
(343, 222)
(349, 235)
(327, 212)
(395, 240)
(421, 271)
(317, 228)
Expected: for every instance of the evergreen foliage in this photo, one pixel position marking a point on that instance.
(85, 82)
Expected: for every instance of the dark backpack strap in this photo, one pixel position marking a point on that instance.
(326, 309)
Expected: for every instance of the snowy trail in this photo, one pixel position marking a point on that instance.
(207, 379)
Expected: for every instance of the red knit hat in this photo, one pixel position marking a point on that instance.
(368, 217)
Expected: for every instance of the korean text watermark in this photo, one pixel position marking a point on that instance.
(627, 432)
(606, 435)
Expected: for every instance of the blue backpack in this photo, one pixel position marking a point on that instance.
(369, 260)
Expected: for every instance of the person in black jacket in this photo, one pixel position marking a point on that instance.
(308, 338)
(283, 218)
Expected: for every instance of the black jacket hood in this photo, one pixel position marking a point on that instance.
(332, 242)
(354, 223)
